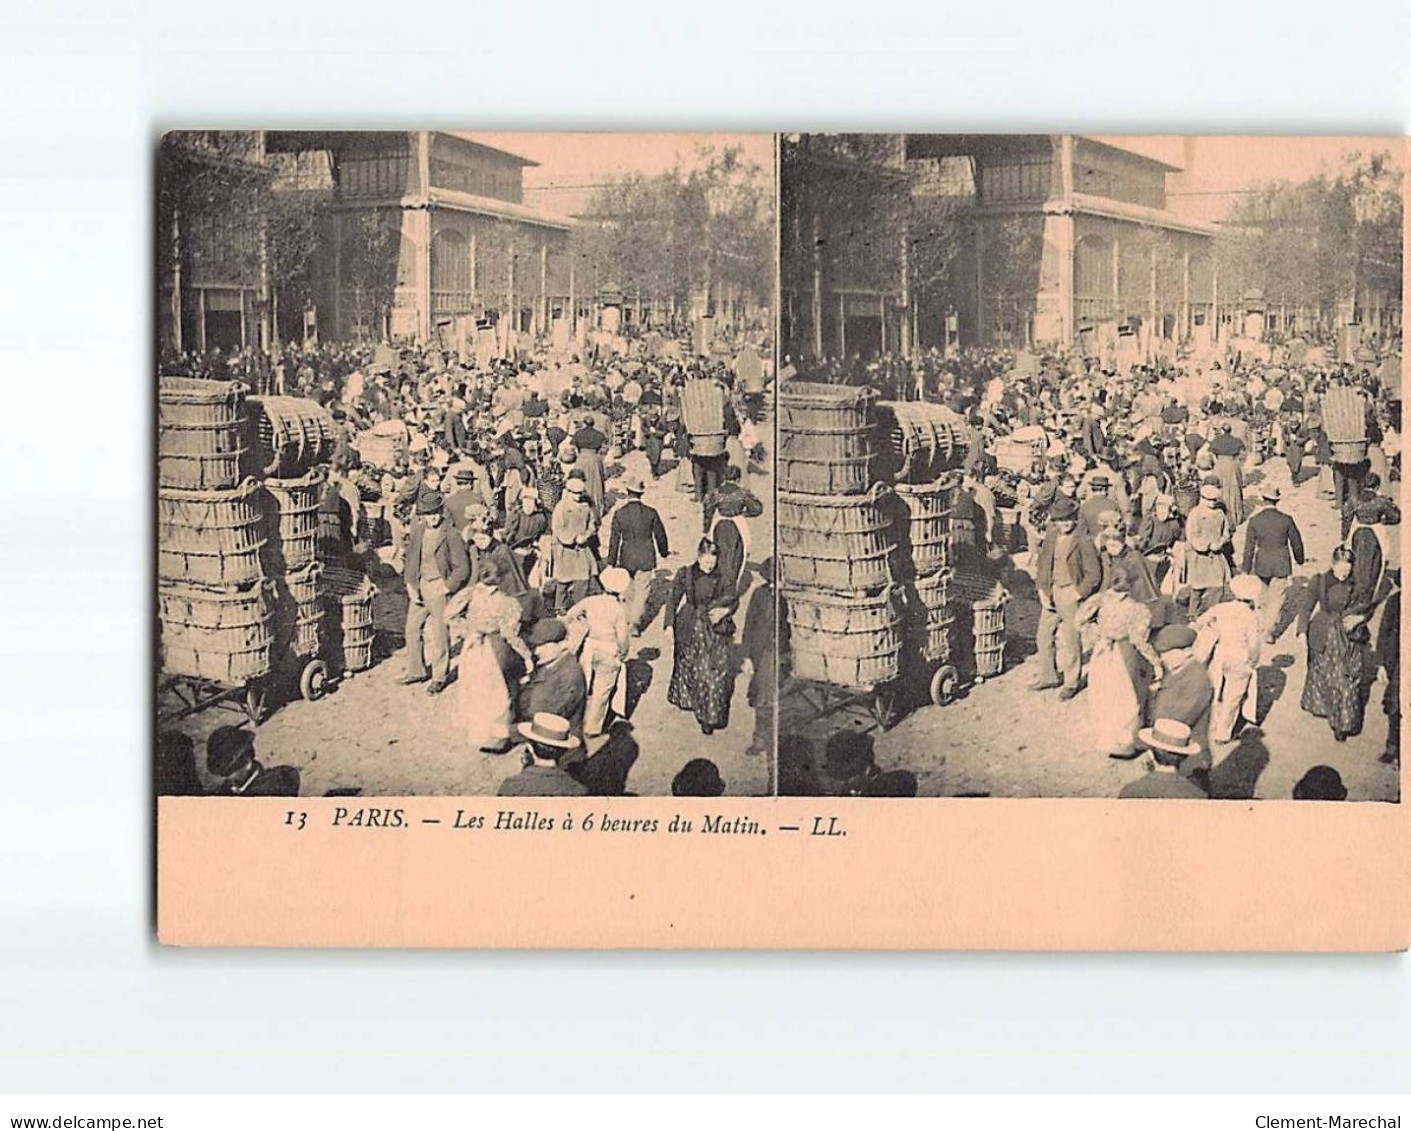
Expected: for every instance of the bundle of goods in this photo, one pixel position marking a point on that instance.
(1345, 423)
(292, 505)
(826, 441)
(200, 434)
(211, 538)
(703, 404)
(839, 543)
(223, 635)
(920, 441)
(349, 596)
(1022, 450)
(383, 445)
(292, 435)
(299, 611)
(848, 640)
(927, 536)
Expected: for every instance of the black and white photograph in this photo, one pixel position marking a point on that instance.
(1089, 466)
(464, 463)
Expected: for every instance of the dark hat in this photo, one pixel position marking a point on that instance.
(545, 630)
(229, 750)
(430, 502)
(1063, 508)
(1321, 783)
(1100, 481)
(698, 778)
(1173, 636)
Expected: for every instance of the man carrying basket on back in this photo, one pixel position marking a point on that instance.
(709, 418)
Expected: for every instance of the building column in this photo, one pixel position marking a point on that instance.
(1186, 293)
(471, 242)
(816, 307)
(982, 335)
(1063, 231)
(176, 278)
(422, 227)
(842, 325)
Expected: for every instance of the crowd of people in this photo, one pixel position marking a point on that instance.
(1150, 504)
(500, 494)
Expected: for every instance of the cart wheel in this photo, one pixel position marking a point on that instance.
(255, 704)
(944, 685)
(313, 682)
(884, 707)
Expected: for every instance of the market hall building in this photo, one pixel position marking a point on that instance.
(424, 228)
(1067, 241)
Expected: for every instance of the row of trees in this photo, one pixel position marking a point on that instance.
(667, 238)
(1324, 246)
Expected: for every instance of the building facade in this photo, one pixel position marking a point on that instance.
(428, 230)
(1067, 242)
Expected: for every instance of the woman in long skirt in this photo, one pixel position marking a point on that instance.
(1335, 621)
(698, 616)
(486, 707)
(1116, 679)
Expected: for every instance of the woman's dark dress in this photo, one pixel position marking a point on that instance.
(1333, 688)
(702, 671)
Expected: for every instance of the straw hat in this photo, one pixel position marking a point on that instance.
(549, 730)
(1169, 735)
(1246, 587)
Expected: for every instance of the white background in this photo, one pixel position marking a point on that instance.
(88, 1002)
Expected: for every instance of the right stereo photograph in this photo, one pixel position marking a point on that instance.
(1089, 466)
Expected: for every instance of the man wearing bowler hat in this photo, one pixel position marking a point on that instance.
(1067, 571)
(437, 568)
(1272, 546)
(637, 537)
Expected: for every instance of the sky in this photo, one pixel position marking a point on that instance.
(1222, 163)
(579, 159)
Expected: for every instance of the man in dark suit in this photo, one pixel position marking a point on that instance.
(1184, 691)
(1067, 571)
(550, 742)
(637, 537)
(437, 568)
(1272, 544)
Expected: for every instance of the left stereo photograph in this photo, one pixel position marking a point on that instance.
(464, 459)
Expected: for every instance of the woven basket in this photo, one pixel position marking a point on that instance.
(989, 636)
(850, 641)
(211, 538)
(222, 635)
(809, 406)
(293, 435)
(1348, 451)
(1344, 411)
(839, 543)
(349, 599)
(200, 434)
(928, 534)
(922, 441)
(292, 505)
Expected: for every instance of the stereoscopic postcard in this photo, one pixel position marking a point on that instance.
(779, 540)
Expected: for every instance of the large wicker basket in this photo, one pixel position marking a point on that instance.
(927, 534)
(293, 521)
(299, 608)
(826, 444)
(211, 538)
(933, 617)
(836, 542)
(293, 435)
(224, 635)
(851, 641)
(922, 440)
(200, 434)
(349, 598)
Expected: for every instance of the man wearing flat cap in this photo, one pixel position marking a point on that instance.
(436, 569)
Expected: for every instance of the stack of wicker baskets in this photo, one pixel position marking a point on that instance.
(214, 606)
(292, 438)
(834, 539)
